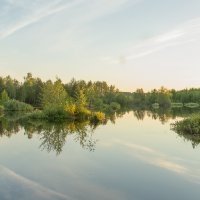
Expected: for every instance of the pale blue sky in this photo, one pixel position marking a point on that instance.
(129, 43)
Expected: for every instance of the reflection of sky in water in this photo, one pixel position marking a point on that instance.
(133, 160)
(14, 186)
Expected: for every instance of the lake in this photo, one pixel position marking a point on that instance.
(134, 156)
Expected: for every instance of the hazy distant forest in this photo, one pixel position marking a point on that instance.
(82, 99)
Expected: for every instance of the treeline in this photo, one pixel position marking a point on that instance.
(167, 98)
(31, 90)
(80, 98)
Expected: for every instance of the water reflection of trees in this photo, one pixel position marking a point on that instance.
(164, 115)
(53, 136)
(194, 139)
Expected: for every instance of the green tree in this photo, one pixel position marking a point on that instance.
(31, 90)
(54, 95)
(164, 97)
(4, 97)
(10, 87)
(139, 97)
(80, 99)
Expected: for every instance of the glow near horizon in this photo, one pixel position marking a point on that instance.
(128, 43)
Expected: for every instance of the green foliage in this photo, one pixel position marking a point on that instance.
(139, 97)
(54, 95)
(176, 105)
(163, 98)
(115, 106)
(191, 105)
(98, 104)
(186, 95)
(55, 114)
(4, 97)
(155, 105)
(14, 105)
(83, 113)
(189, 125)
(151, 97)
(10, 86)
(77, 108)
(37, 114)
(1, 108)
(98, 116)
(71, 108)
(124, 99)
(80, 99)
(31, 90)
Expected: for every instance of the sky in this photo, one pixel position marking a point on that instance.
(129, 43)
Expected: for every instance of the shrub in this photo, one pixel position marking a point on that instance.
(76, 109)
(115, 106)
(176, 105)
(71, 108)
(191, 105)
(155, 105)
(55, 113)
(189, 125)
(98, 116)
(1, 109)
(37, 114)
(4, 97)
(84, 111)
(14, 105)
(98, 104)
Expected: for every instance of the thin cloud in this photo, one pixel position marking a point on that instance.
(81, 16)
(161, 160)
(48, 10)
(31, 189)
(169, 36)
(91, 10)
(165, 164)
(186, 33)
(136, 147)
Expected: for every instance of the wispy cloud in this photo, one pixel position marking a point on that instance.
(29, 188)
(186, 33)
(16, 15)
(169, 36)
(36, 14)
(165, 164)
(161, 160)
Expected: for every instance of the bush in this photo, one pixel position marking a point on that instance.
(1, 109)
(98, 104)
(4, 97)
(191, 105)
(84, 111)
(98, 116)
(14, 105)
(155, 105)
(71, 108)
(188, 126)
(115, 106)
(37, 114)
(75, 110)
(55, 114)
(176, 105)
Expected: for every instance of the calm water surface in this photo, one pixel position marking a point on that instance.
(129, 160)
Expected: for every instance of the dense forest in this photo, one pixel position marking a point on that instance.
(81, 99)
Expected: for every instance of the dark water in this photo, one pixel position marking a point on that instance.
(136, 158)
